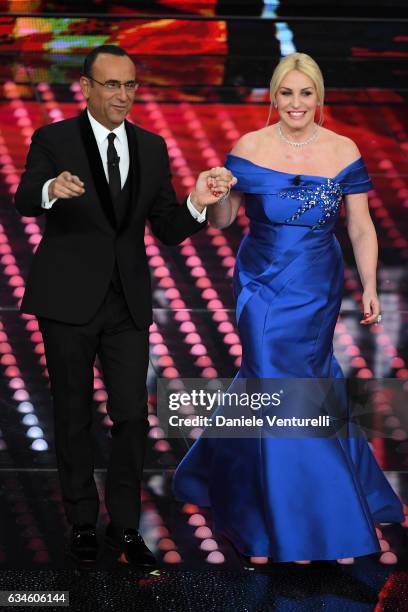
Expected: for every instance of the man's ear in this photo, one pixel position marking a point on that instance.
(85, 86)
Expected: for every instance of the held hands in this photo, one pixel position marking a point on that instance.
(211, 185)
(65, 186)
(371, 309)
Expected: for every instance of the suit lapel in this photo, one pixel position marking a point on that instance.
(95, 163)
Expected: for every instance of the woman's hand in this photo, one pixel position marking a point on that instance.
(211, 185)
(371, 308)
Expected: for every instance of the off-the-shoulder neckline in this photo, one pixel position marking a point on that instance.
(359, 159)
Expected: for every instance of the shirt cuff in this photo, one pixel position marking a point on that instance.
(46, 202)
(198, 216)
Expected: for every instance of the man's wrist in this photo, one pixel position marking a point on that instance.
(193, 198)
(47, 200)
(51, 195)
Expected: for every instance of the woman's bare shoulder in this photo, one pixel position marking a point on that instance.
(344, 148)
(249, 143)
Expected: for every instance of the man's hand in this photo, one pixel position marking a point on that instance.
(211, 185)
(65, 186)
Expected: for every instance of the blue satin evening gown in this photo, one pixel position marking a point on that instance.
(293, 498)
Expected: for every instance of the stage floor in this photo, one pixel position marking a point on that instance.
(200, 103)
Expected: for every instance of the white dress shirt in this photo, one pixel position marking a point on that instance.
(121, 144)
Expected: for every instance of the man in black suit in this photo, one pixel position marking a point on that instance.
(98, 178)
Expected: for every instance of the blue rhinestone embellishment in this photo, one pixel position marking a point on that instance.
(328, 196)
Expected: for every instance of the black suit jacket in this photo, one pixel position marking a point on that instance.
(73, 265)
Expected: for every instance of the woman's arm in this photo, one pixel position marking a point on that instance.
(222, 215)
(365, 247)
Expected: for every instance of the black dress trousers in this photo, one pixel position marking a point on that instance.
(123, 351)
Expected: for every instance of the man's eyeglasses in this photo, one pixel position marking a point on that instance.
(113, 85)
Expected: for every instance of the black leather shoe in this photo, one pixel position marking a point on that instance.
(131, 544)
(84, 545)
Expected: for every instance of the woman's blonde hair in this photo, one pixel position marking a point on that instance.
(304, 63)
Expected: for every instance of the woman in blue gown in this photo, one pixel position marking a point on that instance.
(294, 499)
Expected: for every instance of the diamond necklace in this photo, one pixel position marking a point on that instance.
(297, 144)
